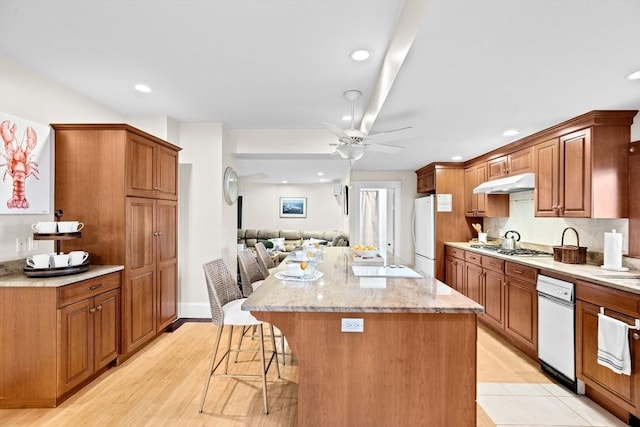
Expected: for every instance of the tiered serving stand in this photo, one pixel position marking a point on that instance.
(56, 271)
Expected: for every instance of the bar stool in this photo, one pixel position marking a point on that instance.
(225, 300)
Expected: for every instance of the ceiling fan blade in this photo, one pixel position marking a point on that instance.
(389, 131)
(385, 148)
(405, 32)
(339, 132)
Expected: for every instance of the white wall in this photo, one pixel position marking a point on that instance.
(261, 207)
(207, 225)
(404, 212)
(548, 231)
(25, 94)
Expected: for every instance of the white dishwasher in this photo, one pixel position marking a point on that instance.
(556, 330)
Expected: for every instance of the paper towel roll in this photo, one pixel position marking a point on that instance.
(613, 251)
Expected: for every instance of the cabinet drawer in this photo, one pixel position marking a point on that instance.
(87, 288)
(491, 263)
(604, 296)
(455, 252)
(528, 274)
(473, 257)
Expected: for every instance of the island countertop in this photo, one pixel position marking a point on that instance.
(339, 290)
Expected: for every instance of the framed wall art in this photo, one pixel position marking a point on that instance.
(293, 207)
(25, 166)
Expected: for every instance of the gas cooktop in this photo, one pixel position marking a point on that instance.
(514, 252)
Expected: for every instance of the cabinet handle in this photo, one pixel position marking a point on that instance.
(159, 233)
(92, 310)
(157, 188)
(632, 149)
(94, 287)
(517, 271)
(99, 308)
(560, 210)
(636, 336)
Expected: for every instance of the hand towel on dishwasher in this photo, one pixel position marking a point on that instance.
(613, 344)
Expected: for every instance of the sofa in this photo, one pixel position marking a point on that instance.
(291, 239)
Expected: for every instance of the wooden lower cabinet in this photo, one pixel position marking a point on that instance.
(521, 315)
(56, 339)
(89, 338)
(454, 274)
(493, 298)
(473, 279)
(619, 390)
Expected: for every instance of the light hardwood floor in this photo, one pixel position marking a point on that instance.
(162, 385)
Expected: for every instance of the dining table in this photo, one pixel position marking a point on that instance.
(377, 342)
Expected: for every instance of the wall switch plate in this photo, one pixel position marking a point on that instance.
(32, 244)
(352, 325)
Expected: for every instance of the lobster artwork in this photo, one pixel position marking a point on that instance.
(19, 164)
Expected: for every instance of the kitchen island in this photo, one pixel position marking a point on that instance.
(413, 364)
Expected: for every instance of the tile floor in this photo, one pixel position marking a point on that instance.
(526, 404)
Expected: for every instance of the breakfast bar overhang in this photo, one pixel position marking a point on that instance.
(414, 364)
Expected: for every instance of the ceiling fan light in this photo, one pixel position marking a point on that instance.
(350, 152)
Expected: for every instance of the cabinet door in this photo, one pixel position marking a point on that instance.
(475, 204)
(618, 387)
(521, 161)
(167, 249)
(106, 323)
(473, 282)
(521, 313)
(139, 288)
(450, 271)
(497, 168)
(140, 166)
(166, 173)
(76, 344)
(546, 161)
(455, 273)
(575, 174)
(493, 299)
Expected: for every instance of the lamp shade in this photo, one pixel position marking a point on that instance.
(350, 151)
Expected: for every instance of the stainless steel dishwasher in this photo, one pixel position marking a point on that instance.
(556, 331)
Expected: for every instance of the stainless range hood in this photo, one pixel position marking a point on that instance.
(510, 184)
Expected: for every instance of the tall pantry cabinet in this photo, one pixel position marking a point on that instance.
(122, 184)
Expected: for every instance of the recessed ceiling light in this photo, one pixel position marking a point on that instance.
(323, 180)
(456, 158)
(284, 181)
(346, 118)
(360, 55)
(634, 76)
(141, 87)
(510, 132)
(320, 173)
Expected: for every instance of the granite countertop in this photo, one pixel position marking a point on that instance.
(623, 280)
(20, 280)
(339, 290)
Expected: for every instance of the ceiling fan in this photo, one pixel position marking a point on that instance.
(353, 142)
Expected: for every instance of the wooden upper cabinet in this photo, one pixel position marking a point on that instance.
(426, 179)
(512, 164)
(583, 174)
(483, 205)
(634, 198)
(151, 169)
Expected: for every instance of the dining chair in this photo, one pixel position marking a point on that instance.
(225, 300)
(265, 261)
(251, 278)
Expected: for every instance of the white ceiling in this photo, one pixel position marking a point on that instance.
(476, 67)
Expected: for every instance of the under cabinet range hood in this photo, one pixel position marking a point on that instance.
(510, 184)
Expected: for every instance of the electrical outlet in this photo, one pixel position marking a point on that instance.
(21, 244)
(352, 325)
(32, 244)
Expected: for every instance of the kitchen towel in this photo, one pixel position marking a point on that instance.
(613, 251)
(613, 345)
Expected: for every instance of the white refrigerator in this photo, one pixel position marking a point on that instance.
(424, 239)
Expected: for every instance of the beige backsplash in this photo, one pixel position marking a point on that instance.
(548, 231)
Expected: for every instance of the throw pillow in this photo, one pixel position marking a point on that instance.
(278, 244)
